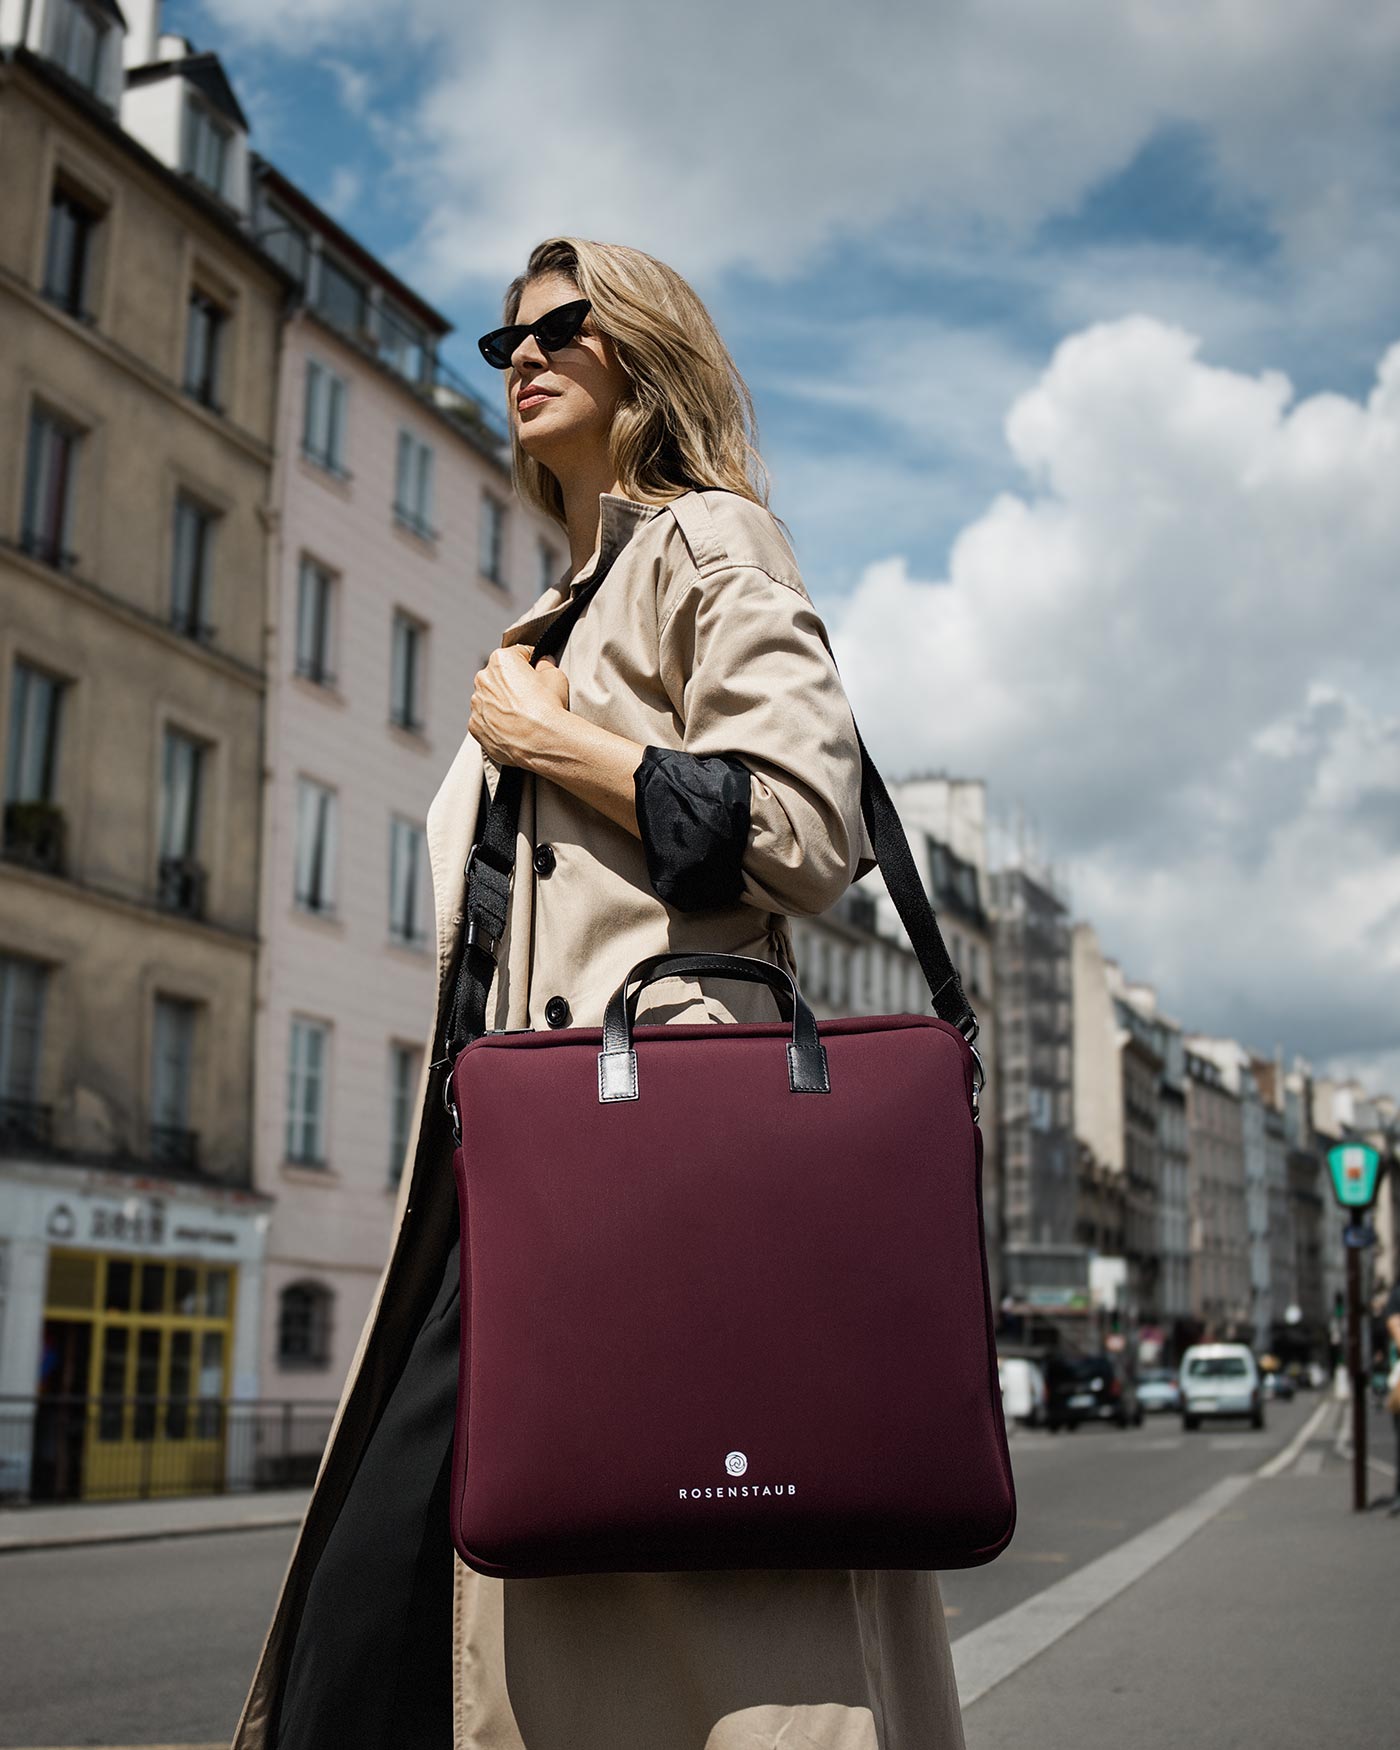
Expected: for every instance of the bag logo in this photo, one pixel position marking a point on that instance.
(737, 1463)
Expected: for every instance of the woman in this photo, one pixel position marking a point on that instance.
(692, 780)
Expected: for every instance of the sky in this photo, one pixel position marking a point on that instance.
(1074, 336)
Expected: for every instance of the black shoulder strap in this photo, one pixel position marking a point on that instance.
(491, 866)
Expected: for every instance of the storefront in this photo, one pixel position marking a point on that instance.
(128, 1330)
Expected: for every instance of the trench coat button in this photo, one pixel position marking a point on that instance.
(556, 1012)
(544, 859)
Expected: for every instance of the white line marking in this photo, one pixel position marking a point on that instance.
(988, 1655)
(1281, 1461)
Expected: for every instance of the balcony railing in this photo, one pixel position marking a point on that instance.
(181, 885)
(47, 549)
(34, 835)
(175, 1148)
(25, 1124)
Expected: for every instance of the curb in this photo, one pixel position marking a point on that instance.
(13, 1546)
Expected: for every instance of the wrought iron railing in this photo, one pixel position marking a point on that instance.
(34, 835)
(25, 1124)
(143, 1448)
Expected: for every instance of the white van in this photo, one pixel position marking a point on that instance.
(1220, 1379)
(1023, 1393)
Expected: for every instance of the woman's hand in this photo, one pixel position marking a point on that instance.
(516, 707)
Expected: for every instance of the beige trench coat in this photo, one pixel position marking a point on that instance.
(702, 637)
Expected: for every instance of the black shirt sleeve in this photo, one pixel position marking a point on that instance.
(693, 811)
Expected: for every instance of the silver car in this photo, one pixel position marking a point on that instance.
(1220, 1379)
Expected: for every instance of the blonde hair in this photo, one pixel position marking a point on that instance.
(687, 418)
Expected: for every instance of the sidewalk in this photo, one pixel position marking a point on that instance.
(1275, 1622)
(76, 1523)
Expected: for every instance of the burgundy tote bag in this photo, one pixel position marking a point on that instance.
(724, 1288)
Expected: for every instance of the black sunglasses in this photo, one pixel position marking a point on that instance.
(556, 328)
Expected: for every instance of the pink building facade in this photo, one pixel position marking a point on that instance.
(399, 554)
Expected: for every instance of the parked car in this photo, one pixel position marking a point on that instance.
(1088, 1388)
(1157, 1389)
(1024, 1396)
(1219, 1380)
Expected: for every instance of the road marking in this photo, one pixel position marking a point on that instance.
(1281, 1461)
(988, 1655)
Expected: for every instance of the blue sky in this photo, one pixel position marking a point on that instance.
(1066, 329)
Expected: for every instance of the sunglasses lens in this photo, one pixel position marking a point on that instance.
(561, 325)
(497, 346)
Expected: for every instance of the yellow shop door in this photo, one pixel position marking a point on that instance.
(156, 1336)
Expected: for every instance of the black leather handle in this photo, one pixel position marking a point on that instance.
(620, 1015)
(617, 1061)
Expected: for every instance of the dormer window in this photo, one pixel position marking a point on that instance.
(206, 146)
(77, 37)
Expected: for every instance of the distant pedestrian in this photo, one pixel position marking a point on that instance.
(1392, 1402)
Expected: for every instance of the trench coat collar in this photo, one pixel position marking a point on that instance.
(619, 519)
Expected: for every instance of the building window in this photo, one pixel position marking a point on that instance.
(304, 1325)
(493, 529)
(181, 875)
(203, 343)
(206, 146)
(173, 1143)
(31, 762)
(49, 489)
(306, 1093)
(315, 595)
(402, 343)
(408, 896)
(549, 566)
(403, 1082)
(23, 1122)
(69, 252)
(341, 297)
(323, 428)
(78, 35)
(33, 824)
(316, 836)
(189, 572)
(413, 489)
(405, 703)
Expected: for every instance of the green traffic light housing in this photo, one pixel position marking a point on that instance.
(1356, 1170)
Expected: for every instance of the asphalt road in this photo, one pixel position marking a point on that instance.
(1081, 1494)
(153, 1643)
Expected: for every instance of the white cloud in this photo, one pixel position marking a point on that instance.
(1180, 648)
(756, 136)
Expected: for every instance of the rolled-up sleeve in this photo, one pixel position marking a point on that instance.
(745, 661)
(693, 812)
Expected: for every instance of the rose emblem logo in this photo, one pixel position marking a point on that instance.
(736, 1464)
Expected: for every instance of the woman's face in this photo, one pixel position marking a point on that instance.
(583, 383)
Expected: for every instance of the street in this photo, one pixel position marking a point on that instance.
(152, 1642)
